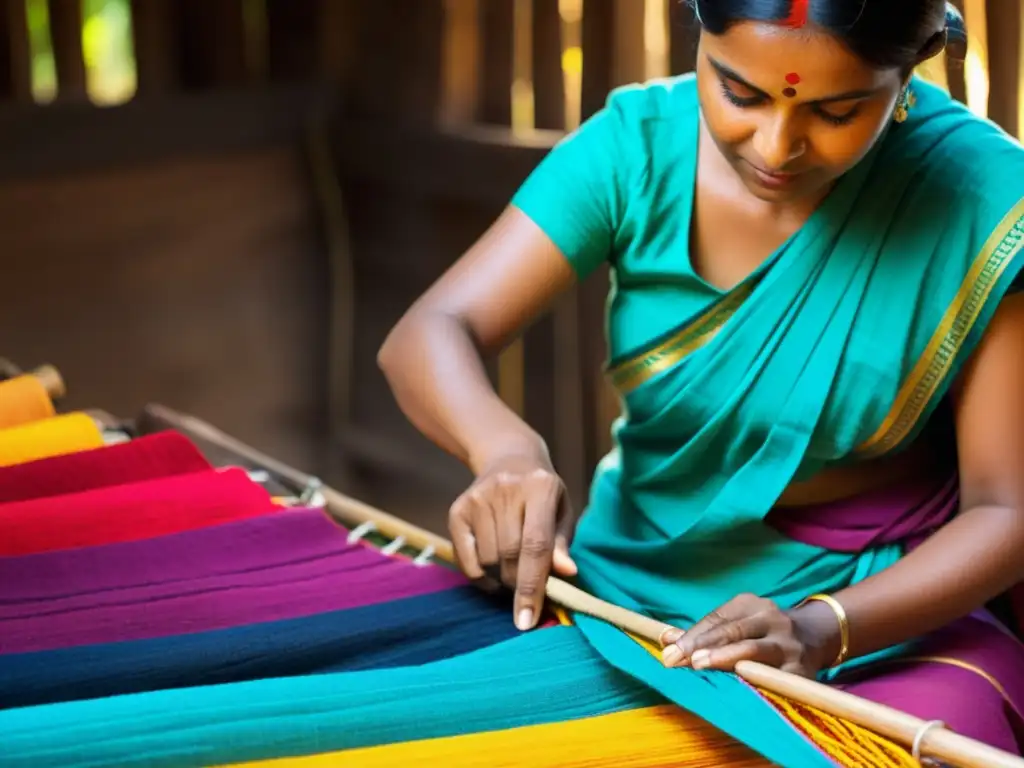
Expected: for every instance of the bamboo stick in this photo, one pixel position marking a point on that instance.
(937, 742)
(51, 380)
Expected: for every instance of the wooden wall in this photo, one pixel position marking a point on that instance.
(237, 239)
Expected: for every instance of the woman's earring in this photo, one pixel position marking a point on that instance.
(906, 102)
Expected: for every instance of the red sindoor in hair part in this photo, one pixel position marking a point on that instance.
(798, 13)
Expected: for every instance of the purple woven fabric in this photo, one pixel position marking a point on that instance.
(286, 565)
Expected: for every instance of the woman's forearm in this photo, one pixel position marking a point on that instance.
(440, 383)
(972, 559)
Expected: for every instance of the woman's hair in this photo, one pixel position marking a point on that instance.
(884, 33)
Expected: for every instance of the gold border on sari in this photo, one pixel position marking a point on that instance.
(942, 350)
(629, 374)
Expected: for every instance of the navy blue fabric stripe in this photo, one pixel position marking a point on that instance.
(410, 631)
(546, 676)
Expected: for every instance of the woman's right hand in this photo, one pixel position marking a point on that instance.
(516, 517)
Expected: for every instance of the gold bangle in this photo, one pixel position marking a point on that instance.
(844, 625)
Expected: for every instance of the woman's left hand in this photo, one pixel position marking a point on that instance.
(802, 641)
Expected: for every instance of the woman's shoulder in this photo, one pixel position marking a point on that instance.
(957, 184)
(655, 100)
(962, 175)
(956, 149)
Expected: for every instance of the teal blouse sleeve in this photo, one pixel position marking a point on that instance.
(576, 194)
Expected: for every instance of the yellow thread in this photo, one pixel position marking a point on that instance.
(853, 747)
(647, 737)
(68, 433)
(931, 368)
(562, 615)
(847, 744)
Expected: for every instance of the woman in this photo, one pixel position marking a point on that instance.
(819, 353)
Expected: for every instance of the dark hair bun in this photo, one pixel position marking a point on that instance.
(884, 33)
(956, 33)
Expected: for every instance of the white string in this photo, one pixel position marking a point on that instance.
(915, 750)
(361, 530)
(423, 558)
(394, 546)
(313, 486)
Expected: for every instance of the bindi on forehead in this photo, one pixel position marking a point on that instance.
(793, 79)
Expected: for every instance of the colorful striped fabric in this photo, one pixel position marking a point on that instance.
(156, 611)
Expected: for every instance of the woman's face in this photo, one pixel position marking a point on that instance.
(791, 109)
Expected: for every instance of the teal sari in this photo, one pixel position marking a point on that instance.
(838, 348)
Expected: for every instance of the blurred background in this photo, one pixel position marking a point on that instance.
(224, 205)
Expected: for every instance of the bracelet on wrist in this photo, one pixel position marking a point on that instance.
(844, 625)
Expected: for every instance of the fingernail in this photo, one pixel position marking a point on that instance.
(671, 636)
(672, 655)
(701, 659)
(525, 619)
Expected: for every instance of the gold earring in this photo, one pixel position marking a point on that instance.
(906, 102)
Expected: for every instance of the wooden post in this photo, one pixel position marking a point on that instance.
(15, 55)
(213, 43)
(336, 39)
(548, 79)
(552, 361)
(399, 64)
(291, 29)
(599, 77)
(66, 33)
(497, 25)
(684, 36)
(598, 55)
(155, 37)
(497, 20)
(629, 64)
(1005, 29)
(461, 76)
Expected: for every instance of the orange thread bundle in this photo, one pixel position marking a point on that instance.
(24, 399)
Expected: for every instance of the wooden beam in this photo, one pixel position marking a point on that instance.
(69, 61)
(63, 139)
(15, 54)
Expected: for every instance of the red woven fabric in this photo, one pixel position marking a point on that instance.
(130, 512)
(147, 458)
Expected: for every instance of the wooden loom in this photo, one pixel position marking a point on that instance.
(908, 731)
